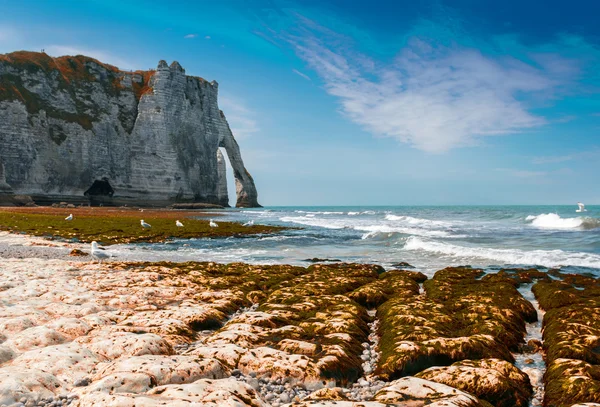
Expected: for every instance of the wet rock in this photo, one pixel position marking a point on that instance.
(68, 362)
(571, 338)
(492, 380)
(413, 391)
(112, 345)
(173, 369)
(402, 264)
(32, 384)
(207, 393)
(461, 317)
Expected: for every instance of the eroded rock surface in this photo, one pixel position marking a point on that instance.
(73, 125)
(571, 338)
(146, 334)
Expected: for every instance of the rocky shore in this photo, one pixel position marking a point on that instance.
(183, 334)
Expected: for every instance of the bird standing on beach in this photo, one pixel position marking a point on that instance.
(70, 217)
(249, 223)
(581, 207)
(213, 224)
(97, 252)
(145, 225)
(178, 224)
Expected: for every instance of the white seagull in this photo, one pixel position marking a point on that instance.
(213, 224)
(70, 217)
(144, 224)
(581, 207)
(97, 252)
(178, 224)
(249, 223)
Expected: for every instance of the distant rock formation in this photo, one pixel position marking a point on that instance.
(74, 125)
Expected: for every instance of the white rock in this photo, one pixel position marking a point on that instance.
(167, 369)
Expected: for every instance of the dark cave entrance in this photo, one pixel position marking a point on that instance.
(99, 190)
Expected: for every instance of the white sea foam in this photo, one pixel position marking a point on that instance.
(418, 221)
(548, 258)
(365, 226)
(554, 221)
(353, 213)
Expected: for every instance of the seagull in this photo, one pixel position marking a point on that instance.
(70, 217)
(213, 224)
(145, 225)
(581, 207)
(97, 252)
(249, 223)
(178, 224)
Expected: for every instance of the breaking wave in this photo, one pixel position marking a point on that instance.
(547, 258)
(554, 221)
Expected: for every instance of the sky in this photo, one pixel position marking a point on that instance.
(346, 102)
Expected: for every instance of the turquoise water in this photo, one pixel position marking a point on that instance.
(428, 237)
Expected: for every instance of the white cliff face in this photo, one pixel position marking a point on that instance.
(153, 136)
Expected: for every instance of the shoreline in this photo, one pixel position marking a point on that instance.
(145, 334)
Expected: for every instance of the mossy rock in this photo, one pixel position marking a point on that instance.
(493, 380)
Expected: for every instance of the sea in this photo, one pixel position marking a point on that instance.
(428, 238)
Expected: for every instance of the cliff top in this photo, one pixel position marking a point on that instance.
(75, 67)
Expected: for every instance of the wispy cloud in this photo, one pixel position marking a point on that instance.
(555, 159)
(102, 56)
(433, 97)
(240, 117)
(522, 173)
(207, 37)
(189, 36)
(303, 75)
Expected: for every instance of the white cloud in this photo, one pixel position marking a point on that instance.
(191, 36)
(303, 75)
(433, 97)
(102, 56)
(592, 154)
(522, 173)
(207, 37)
(240, 117)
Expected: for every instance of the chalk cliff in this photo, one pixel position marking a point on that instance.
(74, 125)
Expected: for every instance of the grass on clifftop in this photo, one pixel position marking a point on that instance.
(116, 225)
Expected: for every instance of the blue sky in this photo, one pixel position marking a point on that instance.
(370, 102)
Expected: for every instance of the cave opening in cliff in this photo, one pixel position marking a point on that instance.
(100, 188)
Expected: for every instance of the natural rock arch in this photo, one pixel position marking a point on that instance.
(247, 196)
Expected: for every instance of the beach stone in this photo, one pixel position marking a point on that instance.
(297, 347)
(492, 380)
(68, 362)
(112, 345)
(173, 369)
(9, 326)
(6, 354)
(35, 337)
(276, 364)
(206, 393)
(121, 382)
(70, 327)
(416, 392)
(334, 393)
(17, 382)
(228, 354)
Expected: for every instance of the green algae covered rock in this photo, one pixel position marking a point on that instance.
(460, 317)
(493, 380)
